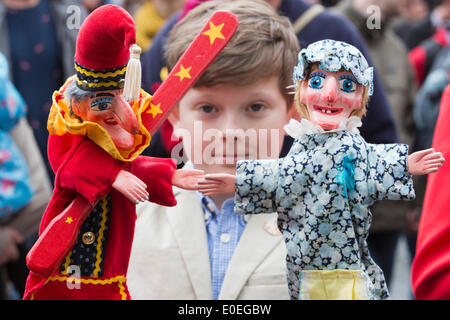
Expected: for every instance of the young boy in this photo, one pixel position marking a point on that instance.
(201, 249)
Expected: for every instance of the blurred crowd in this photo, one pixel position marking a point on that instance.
(406, 41)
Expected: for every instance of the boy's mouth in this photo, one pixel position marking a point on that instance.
(230, 158)
(328, 110)
(233, 156)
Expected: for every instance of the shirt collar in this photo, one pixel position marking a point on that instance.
(211, 207)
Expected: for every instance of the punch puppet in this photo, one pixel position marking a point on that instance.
(323, 188)
(99, 124)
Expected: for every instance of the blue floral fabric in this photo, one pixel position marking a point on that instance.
(332, 56)
(324, 225)
(15, 187)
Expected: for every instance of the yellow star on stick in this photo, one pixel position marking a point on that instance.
(214, 32)
(69, 220)
(154, 110)
(183, 73)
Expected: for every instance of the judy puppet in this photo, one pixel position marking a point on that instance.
(323, 188)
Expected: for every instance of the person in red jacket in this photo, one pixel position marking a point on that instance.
(94, 147)
(430, 272)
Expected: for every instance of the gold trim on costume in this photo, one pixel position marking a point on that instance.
(67, 263)
(119, 279)
(100, 74)
(98, 84)
(100, 237)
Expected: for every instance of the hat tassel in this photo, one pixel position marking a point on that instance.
(132, 86)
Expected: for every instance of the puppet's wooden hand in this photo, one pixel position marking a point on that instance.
(131, 187)
(216, 183)
(187, 178)
(425, 162)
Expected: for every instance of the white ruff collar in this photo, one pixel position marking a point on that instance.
(295, 129)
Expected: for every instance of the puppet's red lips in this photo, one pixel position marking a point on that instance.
(328, 110)
(111, 121)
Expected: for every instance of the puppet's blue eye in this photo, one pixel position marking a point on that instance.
(101, 104)
(315, 82)
(347, 84)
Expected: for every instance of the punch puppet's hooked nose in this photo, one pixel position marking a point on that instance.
(126, 117)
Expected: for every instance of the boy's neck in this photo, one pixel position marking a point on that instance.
(219, 199)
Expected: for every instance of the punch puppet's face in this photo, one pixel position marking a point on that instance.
(330, 97)
(110, 110)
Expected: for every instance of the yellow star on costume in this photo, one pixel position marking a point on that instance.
(69, 220)
(183, 73)
(154, 110)
(214, 32)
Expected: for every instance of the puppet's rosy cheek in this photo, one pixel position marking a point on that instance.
(312, 97)
(352, 102)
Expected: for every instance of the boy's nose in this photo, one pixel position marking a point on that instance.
(329, 93)
(232, 127)
(231, 121)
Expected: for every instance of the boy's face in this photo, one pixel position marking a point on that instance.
(330, 97)
(225, 123)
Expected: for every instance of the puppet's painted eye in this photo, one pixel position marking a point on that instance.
(315, 82)
(347, 84)
(101, 104)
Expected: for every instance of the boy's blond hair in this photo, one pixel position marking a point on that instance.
(264, 45)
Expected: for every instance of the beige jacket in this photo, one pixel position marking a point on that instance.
(170, 260)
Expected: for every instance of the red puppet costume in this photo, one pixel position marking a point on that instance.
(87, 160)
(96, 137)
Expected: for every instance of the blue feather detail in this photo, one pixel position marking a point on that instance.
(346, 176)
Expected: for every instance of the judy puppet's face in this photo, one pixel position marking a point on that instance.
(110, 110)
(330, 97)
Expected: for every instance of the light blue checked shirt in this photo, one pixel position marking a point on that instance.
(224, 229)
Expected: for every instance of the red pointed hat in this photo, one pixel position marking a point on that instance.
(103, 48)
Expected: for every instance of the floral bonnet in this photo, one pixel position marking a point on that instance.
(332, 56)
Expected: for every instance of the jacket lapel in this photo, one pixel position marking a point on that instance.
(188, 225)
(254, 245)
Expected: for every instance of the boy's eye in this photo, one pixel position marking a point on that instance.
(316, 81)
(207, 108)
(347, 85)
(256, 107)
